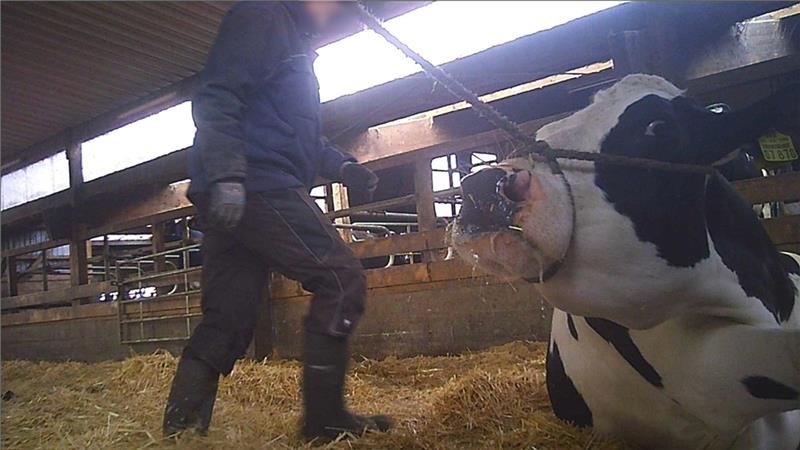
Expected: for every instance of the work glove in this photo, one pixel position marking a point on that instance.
(226, 204)
(356, 176)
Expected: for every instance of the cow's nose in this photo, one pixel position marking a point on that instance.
(484, 207)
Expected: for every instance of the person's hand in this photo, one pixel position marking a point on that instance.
(356, 176)
(226, 204)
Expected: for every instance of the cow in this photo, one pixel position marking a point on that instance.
(675, 324)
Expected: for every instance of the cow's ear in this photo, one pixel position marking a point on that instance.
(780, 111)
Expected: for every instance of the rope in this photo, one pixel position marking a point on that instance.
(531, 145)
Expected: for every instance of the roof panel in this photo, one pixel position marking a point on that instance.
(65, 63)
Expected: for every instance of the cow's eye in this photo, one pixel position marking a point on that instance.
(655, 128)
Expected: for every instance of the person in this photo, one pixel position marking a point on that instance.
(257, 151)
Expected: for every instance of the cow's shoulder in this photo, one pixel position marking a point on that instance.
(745, 248)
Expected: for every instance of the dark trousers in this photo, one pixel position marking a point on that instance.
(283, 231)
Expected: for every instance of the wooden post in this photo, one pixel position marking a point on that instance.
(642, 51)
(78, 258)
(426, 212)
(158, 243)
(75, 163)
(106, 259)
(11, 265)
(78, 261)
(329, 206)
(341, 201)
(44, 269)
(265, 329)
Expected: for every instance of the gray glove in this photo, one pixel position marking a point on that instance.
(356, 176)
(226, 204)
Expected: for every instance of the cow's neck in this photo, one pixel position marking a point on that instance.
(666, 209)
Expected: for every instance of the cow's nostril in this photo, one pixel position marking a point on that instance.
(517, 186)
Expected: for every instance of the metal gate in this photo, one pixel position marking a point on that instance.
(158, 296)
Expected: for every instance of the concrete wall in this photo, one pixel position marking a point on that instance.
(428, 318)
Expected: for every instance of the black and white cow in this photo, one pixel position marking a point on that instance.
(675, 322)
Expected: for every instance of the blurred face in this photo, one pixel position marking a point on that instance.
(322, 12)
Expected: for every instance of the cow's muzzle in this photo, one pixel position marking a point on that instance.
(490, 199)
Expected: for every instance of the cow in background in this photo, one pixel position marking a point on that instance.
(675, 322)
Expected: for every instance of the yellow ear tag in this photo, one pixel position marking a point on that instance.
(777, 147)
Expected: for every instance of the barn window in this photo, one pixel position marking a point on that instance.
(156, 135)
(442, 32)
(37, 180)
(318, 194)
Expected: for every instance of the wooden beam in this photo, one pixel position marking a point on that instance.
(140, 210)
(61, 296)
(161, 99)
(784, 232)
(743, 45)
(408, 274)
(565, 47)
(35, 247)
(785, 186)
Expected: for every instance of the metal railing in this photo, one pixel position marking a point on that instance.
(143, 310)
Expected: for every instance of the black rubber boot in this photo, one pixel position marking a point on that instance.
(191, 399)
(326, 416)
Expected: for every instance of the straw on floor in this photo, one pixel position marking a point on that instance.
(490, 399)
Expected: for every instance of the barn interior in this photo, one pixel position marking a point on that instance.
(101, 265)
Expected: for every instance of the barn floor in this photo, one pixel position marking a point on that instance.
(491, 399)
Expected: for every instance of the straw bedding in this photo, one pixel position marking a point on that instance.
(490, 399)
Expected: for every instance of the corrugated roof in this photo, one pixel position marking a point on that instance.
(64, 63)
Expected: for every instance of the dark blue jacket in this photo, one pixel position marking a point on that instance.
(257, 108)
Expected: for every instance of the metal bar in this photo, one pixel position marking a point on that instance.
(162, 297)
(162, 275)
(120, 305)
(185, 253)
(397, 201)
(165, 252)
(153, 340)
(160, 318)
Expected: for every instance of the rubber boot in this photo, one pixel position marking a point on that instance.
(191, 399)
(326, 416)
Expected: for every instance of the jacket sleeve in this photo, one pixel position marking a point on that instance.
(251, 42)
(332, 159)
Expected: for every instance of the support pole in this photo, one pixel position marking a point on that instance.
(426, 212)
(106, 259)
(11, 265)
(342, 201)
(44, 269)
(158, 243)
(263, 338)
(75, 163)
(78, 257)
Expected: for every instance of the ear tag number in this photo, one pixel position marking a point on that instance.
(777, 147)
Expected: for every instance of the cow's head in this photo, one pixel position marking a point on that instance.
(640, 236)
